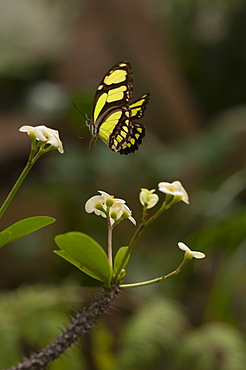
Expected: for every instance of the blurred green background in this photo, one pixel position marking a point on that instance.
(191, 57)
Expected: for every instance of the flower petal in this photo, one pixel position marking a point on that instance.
(198, 255)
(104, 194)
(153, 200)
(169, 188)
(183, 247)
(132, 220)
(179, 187)
(45, 134)
(27, 129)
(175, 188)
(147, 198)
(41, 133)
(91, 203)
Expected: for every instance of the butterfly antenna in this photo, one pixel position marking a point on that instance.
(80, 111)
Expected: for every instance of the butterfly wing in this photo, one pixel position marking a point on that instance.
(119, 132)
(111, 113)
(137, 133)
(139, 106)
(114, 89)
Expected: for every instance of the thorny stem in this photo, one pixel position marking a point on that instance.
(81, 324)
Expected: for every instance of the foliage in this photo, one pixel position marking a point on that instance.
(153, 330)
(214, 346)
(209, 39)
(30, 317)
(156, 333)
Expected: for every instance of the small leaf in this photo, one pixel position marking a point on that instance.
(26, 226)
(119, 257)
(4, 237)
(86, 254)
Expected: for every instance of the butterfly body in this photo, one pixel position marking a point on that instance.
(112, 112)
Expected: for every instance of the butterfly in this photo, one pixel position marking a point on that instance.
(113, 114)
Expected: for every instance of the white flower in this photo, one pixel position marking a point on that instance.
(99, 204)
(190, 254)
(175, 188)
(127, 213)
(45, 134)
(147, 198)
(95, 204)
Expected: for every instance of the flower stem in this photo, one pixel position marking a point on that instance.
(163, 208)
(139, 231)
(110, 252)
(156, 280)
(35, 154)
(15, 187)
(132, 243)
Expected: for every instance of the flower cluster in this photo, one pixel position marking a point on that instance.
(148, 199)
(106, 205)
(44, 134)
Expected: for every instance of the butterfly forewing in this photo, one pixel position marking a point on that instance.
(114, 89)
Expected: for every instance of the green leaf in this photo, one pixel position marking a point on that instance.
(86, 254)
(119, 257)
(4, 237)
(25, 227)
(76, 263)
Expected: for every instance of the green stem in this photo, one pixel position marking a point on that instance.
(15, 188)
(163, 208)
(156, 280)
(35, 154)
(110, 232)
(166, 205)
(137, 234)
(132, 243)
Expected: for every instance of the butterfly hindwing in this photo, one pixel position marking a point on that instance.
(115, 118)
(138, 107)
(137, 133)
(112, 112)
(120, 133)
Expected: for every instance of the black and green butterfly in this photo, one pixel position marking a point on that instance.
(112, 113)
